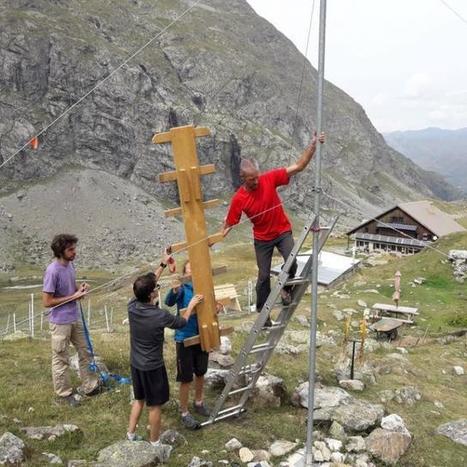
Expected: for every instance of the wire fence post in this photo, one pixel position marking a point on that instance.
(42, 322)
(111, 317)
(14, 323)
(106, 318)
(32, 316)
(7, 324)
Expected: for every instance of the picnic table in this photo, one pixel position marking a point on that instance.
(404, 314)
(387, 327)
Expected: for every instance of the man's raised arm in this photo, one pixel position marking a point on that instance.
(306, 156)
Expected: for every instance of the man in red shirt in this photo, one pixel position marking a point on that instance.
(259, 200)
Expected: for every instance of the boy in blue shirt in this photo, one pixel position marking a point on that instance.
(190, 360)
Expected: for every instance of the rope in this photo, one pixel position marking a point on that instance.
(106, 78)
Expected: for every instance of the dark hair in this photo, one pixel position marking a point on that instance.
(144, 286)
(61, 242)
(185, 264)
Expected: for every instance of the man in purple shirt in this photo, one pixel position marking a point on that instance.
(60, 294)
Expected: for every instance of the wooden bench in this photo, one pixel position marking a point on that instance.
(228, 296)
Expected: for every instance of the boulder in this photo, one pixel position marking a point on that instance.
(321, 451)
(49, 432)
(352, 384)
(457, 431)
(458, 370)
(388, 446)
(245, 455)
(173, 438)
(394, 422)
(215, 378)
(11, 449)
(233, 444)
(355, 444)
(281, 447)
(324, 396)
(270, 391)
(219, 360)
(197, 462)
(357, 416)
(333, 444)
(51, 458)
(261, 455)
(337, 431)
(134, 454)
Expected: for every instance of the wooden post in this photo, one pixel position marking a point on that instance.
(188, 177)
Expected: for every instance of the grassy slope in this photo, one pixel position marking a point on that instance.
(25, 375)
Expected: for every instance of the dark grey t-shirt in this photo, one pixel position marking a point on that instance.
(147, 323)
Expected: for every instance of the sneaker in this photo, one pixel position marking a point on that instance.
(190, 422)
(135, 437)
(201, 409)
(70, 400)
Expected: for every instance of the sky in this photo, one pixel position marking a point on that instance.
(404, 61)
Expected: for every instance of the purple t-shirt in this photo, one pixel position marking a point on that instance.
(60, 281)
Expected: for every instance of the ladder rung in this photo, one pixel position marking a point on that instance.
(249, 369)
(221, 417)
(274, 327)
(298, 280)
(239, 390)
(261, 348)
(230, 409)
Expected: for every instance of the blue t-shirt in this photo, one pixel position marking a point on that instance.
(182, 299)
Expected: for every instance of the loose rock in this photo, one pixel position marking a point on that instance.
(388, 446)
(134, 454)
(281, 447)
(11, 449)
(457, 431)
(233, 444)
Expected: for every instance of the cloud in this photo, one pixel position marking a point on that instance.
(417, 86)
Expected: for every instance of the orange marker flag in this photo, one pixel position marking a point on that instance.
(34, 143)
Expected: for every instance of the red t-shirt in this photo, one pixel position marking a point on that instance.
(263, 206)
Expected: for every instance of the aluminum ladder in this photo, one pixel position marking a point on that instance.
(243, 376)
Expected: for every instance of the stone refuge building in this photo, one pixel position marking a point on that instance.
(406, 228)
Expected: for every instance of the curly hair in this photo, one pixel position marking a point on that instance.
(61, 242)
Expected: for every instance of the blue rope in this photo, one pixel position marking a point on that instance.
(103, 375)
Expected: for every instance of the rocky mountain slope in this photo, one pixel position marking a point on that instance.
(443, 151)
(221, 66)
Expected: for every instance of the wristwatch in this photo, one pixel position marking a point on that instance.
(163, 265)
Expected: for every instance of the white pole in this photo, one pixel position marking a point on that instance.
(315, 259)
(111, 317)
(106, 318)
(32, 315)
(14, 323)
(29, 318)
(42, 322)
(8, 324)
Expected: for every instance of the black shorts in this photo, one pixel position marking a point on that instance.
(151, 386)
(190, 360)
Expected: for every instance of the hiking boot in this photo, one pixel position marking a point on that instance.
(70, 400)
(286, 297)
(190, 422)
(268, 323)
(201, 409)
(100, 388)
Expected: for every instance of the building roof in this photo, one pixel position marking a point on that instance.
(432, 218)
(426, 214)
(395, 225)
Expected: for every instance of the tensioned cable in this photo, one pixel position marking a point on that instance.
(100, 83)
(454, 11)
